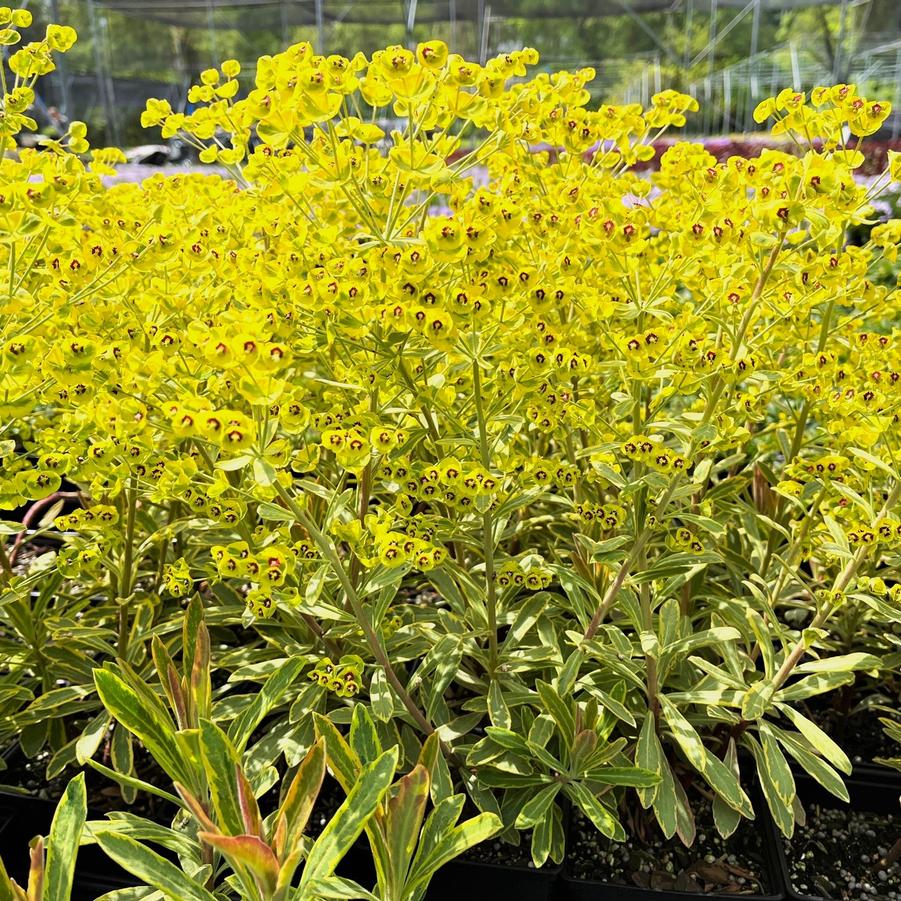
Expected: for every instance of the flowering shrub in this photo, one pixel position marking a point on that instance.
(875, 152)
(573, 469)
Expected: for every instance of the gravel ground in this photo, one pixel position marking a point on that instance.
(712, 865)
(844, 856)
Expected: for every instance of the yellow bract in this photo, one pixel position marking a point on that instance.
(340, 310)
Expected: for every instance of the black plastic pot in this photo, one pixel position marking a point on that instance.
(575, 889)
(22, 817)
(867, 796)
(473, 881)
(874, 772)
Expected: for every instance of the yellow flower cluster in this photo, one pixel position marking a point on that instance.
(205, 339)
(405, 390)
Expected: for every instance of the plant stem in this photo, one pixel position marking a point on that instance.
(797, 441)
(372, 639)
(127, 580)
(842, 580)
(647, 624)
(363, 487)
(487, 523)
(6, 570)
(626, 567)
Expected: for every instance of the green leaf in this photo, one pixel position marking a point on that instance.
(62, 845)
(11, 528)
(844, 663)
(817, 768)
(449, 654)
(875, 461)
(498, 712)
(764, 640)
(631, 776)
(152, 868)
(720, 778)
(273, 690)
(666, 802)
(431, 856)
(602, 817)
(350, 819)
(146, 718)
(702, 639)
(380, 698)
(536, 808)
(813, 685)
(756, 700)
(339, 888)
(404, 816)
(649, 756)
(8, 892)
(608, 702)
(441, 783)
(300, 798)
(342, 760)
(726, 818)
(776, 781)
(558, 709)
(363, 736)
(508, 739)
(817, 737)
(247, 851)
(685, 734)
(91, 737)
(726, 784)
(134, 783)
(222, 764)
(685, 818)
(526, 617)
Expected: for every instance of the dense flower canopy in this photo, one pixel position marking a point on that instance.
(634, 431)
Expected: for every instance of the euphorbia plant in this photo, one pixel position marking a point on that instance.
(487, 438)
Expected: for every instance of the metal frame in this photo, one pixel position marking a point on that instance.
(721, 88)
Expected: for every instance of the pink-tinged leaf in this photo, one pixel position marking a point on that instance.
(250, 811)
(247, 851)
(406, 809)
(196, 808)
(36, 871)
(177, 697)
(300, 798)
(201, 689)
(168, 676)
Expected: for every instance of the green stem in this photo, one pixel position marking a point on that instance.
(797, 441)
(626, 566)
(842, 580)
(487, 523)
(647, 624)
(6, 570)
(362, 615)
(126, 579)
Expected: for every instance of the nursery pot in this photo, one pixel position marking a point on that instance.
(576, 888)
(468, 879)
(843, 842)
(881, 775)
(23, 816)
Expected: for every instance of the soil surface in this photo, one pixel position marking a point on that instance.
(859, 733)
(711, 866)
(495, 851)
(28, 776)
(330, 798)
(843, 855)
